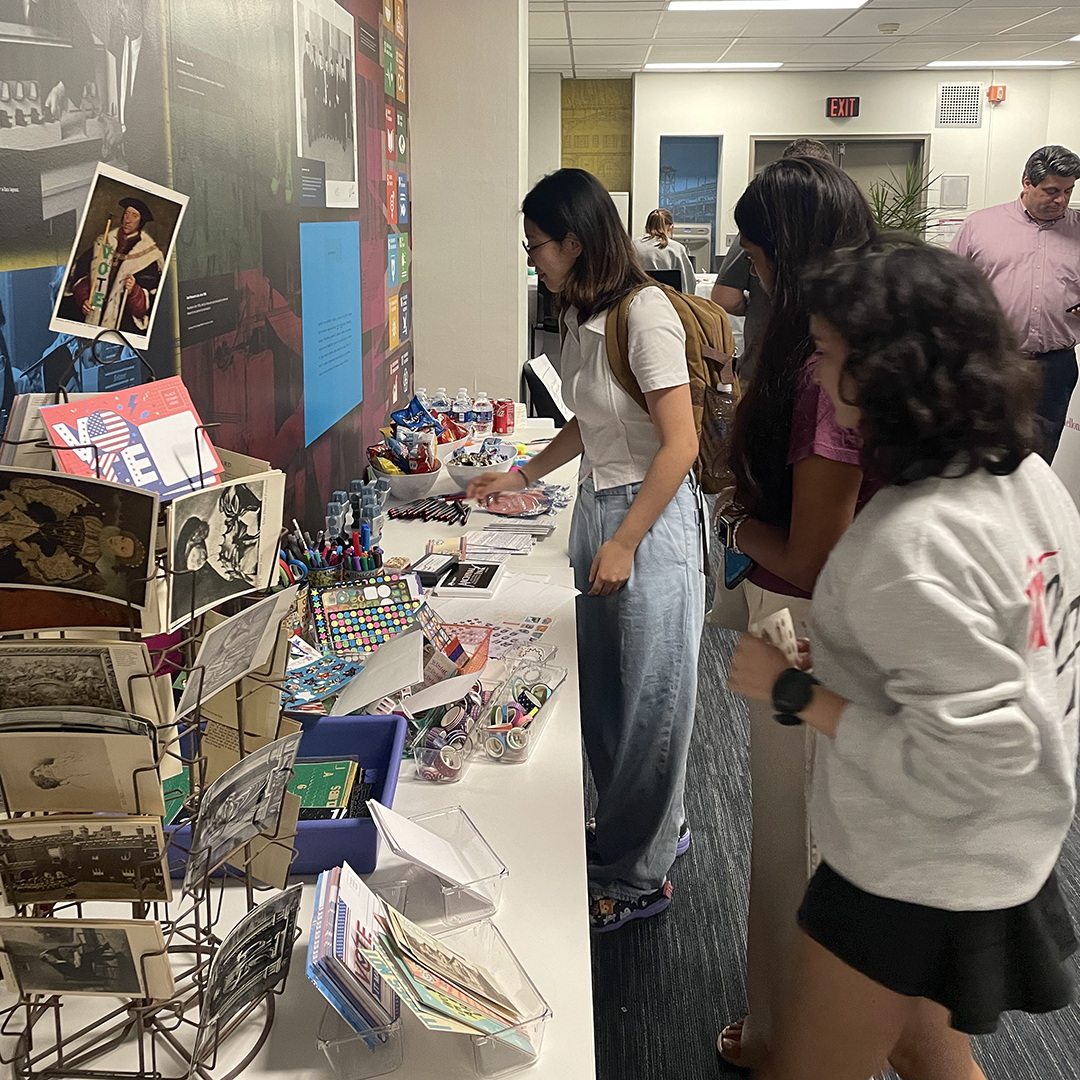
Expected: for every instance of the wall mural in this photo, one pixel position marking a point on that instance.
(288, 307)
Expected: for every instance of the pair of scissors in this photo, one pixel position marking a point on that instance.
(292, 570)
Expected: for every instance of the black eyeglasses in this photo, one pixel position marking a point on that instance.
(530, 249)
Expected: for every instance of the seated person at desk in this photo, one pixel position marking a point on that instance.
(657, 251)
(635, 543)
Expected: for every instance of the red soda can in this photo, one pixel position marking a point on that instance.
(504, 417)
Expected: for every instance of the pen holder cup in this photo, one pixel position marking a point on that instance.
(433, 903)
(516, 1046)
(322, 578)
(354, 1056)
(511, 743)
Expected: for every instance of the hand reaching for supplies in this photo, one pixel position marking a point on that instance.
(492, 482)
(755, 667)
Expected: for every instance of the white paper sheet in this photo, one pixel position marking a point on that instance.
(442, 693)
(418, 845)
(395, 664)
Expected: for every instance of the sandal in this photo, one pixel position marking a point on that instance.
(730, 1047)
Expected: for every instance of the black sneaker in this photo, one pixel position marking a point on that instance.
(608, 913)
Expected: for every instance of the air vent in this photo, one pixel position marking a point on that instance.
(960, 105)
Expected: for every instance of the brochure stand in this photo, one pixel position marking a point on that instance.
(157, 1036)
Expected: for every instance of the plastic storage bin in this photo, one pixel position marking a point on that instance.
(426, 899)
(445, 762)
(358, 1057)
(376, 742)
(508, 735)
(518, 1046)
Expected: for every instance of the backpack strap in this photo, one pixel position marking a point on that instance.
(617, 341)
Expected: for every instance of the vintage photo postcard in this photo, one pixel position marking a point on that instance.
(119, 259)
(83, 857)
(223, 542)
(79, 772)
(251, 961)
(235, 647)
(112, 676)
(111, 957)
(240, 804)
(75, 534)
(326, 99)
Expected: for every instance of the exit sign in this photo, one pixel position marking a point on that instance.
(836, 107)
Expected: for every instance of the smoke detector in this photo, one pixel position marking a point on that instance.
(888, 27)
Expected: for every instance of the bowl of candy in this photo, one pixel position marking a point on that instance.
(492, 455)
(406, 487)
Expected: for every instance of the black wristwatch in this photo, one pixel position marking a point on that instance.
(791, 693)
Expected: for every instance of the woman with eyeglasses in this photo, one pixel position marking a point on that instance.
(634, 542)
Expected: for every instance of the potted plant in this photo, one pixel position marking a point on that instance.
(899, 202)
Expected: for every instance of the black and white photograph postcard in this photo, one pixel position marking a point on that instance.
(326, 96)
(119, 259)
(235, 647)
(251, 961)
(76, 534)
(242, 803)
(112, 676)
(83, 857)
(79, 772)
(111, 957)
(223, 542)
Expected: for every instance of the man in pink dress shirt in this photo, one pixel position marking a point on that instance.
(1030, 251)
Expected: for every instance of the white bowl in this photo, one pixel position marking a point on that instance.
(444, 450)
(411, 486)
(462, 475)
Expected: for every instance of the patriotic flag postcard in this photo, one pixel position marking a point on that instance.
(144, 437)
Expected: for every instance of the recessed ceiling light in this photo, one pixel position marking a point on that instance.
(1077, 38)
(765, 66)
(998, 63)
(763, 5)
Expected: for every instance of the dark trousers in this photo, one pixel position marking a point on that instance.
(1058, 369)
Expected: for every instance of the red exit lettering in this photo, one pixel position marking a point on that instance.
(839, 107)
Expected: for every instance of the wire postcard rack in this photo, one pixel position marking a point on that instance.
(49, 1036)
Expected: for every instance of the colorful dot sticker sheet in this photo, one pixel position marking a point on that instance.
(354, 619)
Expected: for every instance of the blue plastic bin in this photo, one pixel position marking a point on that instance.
(376, 742)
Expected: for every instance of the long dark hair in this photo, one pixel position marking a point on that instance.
(933, 363)
(796, 210)
(574, 201)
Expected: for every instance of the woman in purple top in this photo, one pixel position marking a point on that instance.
(798, 484)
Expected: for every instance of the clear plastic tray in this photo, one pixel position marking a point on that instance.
(512, 743)
(428, 900)
(518, 1046)
(444, 764)
(354, 1056)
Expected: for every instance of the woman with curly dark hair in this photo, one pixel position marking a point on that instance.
(799, 482)
(945, 686)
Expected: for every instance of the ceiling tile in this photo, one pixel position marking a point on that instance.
(693, 25)
(864, 23)
(1063, 50)
(976, 23)
(828, 52)
(610, 26)
(687, 54)
(915, 49)
(609, 55)
(996, 49)
(763, 52)
(617, 5)
(544, 24)
(788, 24)
(1065, 21)
(549, 55)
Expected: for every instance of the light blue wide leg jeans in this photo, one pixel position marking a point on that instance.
(637, 666)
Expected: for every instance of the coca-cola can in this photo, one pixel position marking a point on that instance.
(504, 417)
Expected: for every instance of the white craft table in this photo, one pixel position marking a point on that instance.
(530, 813)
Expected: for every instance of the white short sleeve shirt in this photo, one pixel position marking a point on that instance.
(618, 434)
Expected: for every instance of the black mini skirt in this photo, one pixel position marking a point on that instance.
(978, 964)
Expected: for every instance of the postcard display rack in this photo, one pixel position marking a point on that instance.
(156, 1032)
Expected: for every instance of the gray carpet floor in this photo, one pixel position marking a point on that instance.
(663, 987)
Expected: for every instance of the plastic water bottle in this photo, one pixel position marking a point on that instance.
(461, 410)
(422, 397)
(441, 401)
(483, 413)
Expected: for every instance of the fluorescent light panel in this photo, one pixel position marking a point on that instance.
(764, 5)
(998, 63)
(764, 66)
